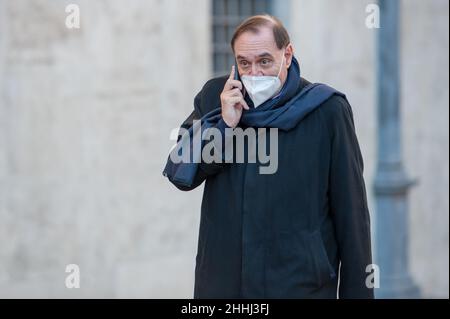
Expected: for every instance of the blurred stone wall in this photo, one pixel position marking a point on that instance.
(85, 121)
(85, 117)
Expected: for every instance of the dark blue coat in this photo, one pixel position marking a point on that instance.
(293, 233)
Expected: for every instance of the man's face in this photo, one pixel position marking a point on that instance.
(258, 54)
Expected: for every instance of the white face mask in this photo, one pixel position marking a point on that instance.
(262, 88)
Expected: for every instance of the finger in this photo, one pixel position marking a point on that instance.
(236, 92)
(231, 84)
(244, 104)
(233, 100)
(239, 101)
(232, 73)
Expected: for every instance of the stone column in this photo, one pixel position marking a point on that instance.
(391, 182)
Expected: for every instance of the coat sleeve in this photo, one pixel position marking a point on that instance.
(204, 169)
(348, 203)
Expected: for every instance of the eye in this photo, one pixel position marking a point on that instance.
(244, 63)
(265, 62)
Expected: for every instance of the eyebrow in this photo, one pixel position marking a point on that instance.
(262, 55)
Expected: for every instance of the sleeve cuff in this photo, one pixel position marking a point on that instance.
(222, 125)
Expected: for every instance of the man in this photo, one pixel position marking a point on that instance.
(295, 233)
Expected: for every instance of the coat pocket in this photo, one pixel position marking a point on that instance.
(297, 261)
(323, 270)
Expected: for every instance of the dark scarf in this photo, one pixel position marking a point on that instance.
(284, 112)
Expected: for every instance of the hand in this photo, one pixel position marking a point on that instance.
(232, 100)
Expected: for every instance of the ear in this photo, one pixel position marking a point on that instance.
(288, 54)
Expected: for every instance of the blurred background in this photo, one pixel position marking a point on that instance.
(86, 113)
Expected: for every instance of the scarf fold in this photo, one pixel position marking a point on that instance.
(284, 112)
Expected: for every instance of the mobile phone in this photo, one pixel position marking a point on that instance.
(237, 77)
(236, 71)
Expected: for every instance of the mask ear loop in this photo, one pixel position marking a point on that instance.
(281, 66)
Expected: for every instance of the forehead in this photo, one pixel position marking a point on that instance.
(251, 45)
